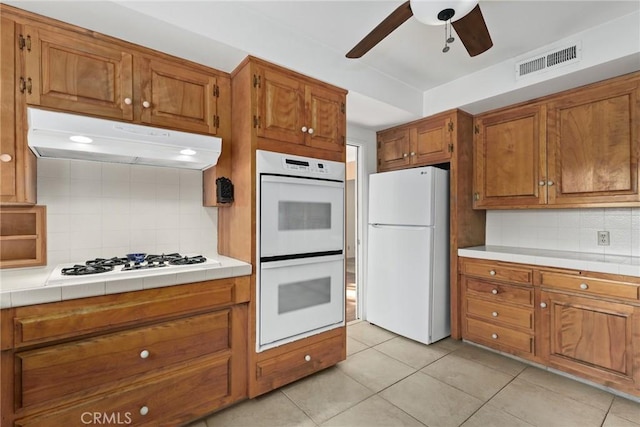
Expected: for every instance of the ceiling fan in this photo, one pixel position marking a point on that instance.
(464, 15)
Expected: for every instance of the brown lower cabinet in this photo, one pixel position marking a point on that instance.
(156, 357)
(591, 338)
(583, 323)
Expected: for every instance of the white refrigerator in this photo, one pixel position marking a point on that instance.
(407, 288)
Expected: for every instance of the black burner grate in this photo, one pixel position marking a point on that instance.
(101, 262)
(81, 270)
(103, 265)
(198, 259)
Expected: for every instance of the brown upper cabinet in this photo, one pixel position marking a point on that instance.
(425, 142)
(509, 158)
(298, 111)
(575, 149)
(80, 73)
(17, 162)
(594, 145)
(62, 67)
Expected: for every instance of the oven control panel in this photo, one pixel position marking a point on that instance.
(313, 166)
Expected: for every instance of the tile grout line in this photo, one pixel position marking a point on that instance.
(492, 396)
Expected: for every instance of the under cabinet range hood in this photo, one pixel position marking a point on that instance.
(71, 136)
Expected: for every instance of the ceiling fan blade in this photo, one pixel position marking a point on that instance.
(390, 23)
(473, 32)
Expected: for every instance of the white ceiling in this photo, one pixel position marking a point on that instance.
(387, 86)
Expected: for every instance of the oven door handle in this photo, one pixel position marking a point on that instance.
(300, 261)
(301, 180)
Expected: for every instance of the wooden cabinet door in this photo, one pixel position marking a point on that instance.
(510, 167)
(594, 145)
(74, 72)
(393, 149)
(325, 118)
(17, 162)
(8, 80)
(280, 104)
(176, 96)
(431, 141)
(590, 337)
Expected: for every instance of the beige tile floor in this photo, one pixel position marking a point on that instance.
(391, 381)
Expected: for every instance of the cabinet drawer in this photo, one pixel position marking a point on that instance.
(49, 322)
(288, 367)
(590, 286)
(500, 313)
(101, 362)
(492, 334)
(498, 272)
(500, 292)
(166, 399)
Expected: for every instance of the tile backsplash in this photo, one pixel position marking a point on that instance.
(107, 209)
(566, 229)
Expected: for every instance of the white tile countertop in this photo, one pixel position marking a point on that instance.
(612, 264)
(28, 286)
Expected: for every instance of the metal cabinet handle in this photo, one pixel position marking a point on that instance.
(144, 410)
(146, 104)
(584, 286)
(494, 314)
(549, 183)
(4, 158)
(543, 304)
(492, 272)
(304, 129)
(542, 183)
(404, 154)
(307, 358)
(128, 101)
(144, 354)
(413, 153)
(310, 131)
(494, 336)
(494, 291)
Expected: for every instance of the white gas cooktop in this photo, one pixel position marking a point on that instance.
(123, 271)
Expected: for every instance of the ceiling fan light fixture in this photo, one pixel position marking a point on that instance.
(427, 11)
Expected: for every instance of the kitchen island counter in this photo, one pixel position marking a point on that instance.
(601, 263)
(28, 286)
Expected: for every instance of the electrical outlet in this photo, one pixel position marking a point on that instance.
(603, 238)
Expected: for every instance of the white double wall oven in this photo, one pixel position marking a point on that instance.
(300, 247)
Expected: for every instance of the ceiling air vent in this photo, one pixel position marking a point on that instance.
(549, 60)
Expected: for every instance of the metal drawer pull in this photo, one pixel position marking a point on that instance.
(541, 183)
(144, 354)
(128, 101)
(494, 314)
(146, 104)
(307, 358)
(4, 158)
(494, 336)
(494, 291)
(543, 304)
(304, 129)
(584, 286)
(144, 410)
(492, 272)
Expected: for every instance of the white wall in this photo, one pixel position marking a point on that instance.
(105, 210)
(566, 229)
(608, 50)
(350, 187)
